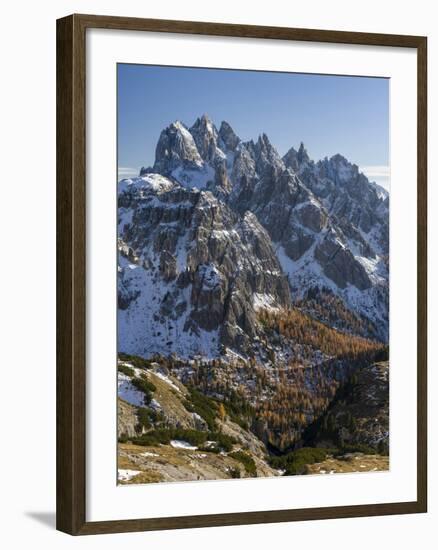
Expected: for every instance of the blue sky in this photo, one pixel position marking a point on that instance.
(330, 114)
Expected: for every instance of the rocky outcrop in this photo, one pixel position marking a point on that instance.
(205, 135)
(175, 148)
(127, 420)
(340, 265)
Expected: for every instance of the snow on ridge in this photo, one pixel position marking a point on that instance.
(193, 178)
(264, 301)
(149, 182)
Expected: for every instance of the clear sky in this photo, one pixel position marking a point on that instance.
(330, 114)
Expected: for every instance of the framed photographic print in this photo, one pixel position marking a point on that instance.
(241, 256)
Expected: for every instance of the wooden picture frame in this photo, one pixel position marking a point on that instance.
(71, 273)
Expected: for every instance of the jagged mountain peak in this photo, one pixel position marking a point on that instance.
(205, 135)
(228, 137)
(297, 160)
(176, 146)
(266, 156)
(178, 125)
(338, 168)
(205, 123)
(302, 154)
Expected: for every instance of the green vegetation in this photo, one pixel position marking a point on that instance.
(123, 438)
(247, 461)
(163, 436)
(235, 473)
(294, 463)
(144, 419)
(126, 370)
(205, 406)
(135, 360)
(143, 385)
(223, 442)
(238, 409)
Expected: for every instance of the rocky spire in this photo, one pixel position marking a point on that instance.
(302, 155)
(205, 135)
(176, 147)
(296, 159)
(266, 155)
(229, 140)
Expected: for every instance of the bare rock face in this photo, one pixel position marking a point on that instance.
(266, 156)
(176, 147)
(205, 135)
(167, 265)
(312, 217)
(228, 139)
(297, 243)
(340, 266)
(222, 184)
(127, 420)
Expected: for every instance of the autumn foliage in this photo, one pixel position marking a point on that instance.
(299, 327)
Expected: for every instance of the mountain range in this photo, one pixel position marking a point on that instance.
(219, 229)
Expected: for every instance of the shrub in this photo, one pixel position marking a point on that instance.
(143, 385)
(123, 438)
(205, 406)
(247, 461)
(144, 417)
(224, 442)
(126, 370)
(235, 473)
(135, 360)
(238, 409)
(295, 462)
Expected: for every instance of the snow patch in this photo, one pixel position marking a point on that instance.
(194, 178)
(264, 301)
(150, 182)
(180, 444)
(128, 392)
